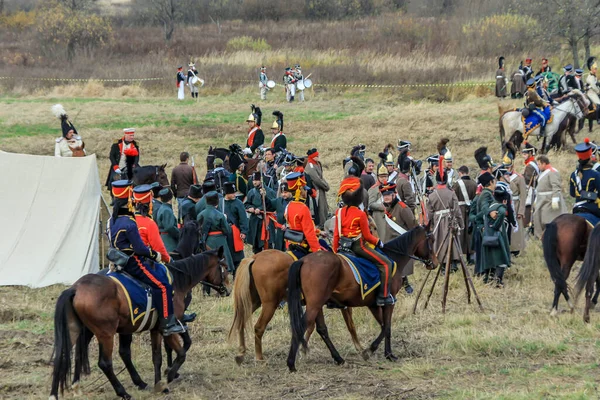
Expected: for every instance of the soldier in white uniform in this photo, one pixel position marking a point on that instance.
(290, 85)
(593, 91)
(70, 143)
(262, 82)
(192, 71)
(549, 201)
(297, 73)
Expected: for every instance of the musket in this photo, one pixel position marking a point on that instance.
(194, 174)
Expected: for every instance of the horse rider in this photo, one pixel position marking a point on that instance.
(375, 199)
(540, 111)
(149, 232)
(166, 221)
(124, 157)
(530, 174)
(578, 81)
(188, 209)
(352, 233)
(297, 74)
(300, 229)
(192, 72)
(269, 169)
(545, 67)
(541, 85)
(70, 143)
(279, 141)
(527, 70)
(238, 220)
(549, 201)
(290, 84)
(215, 228)
(254, 207)
(593, 91)
(180, 83)
(125, 237)
(399, 219)
(584, 184)
(501, 80)
(256, 137)
(566, 83)
(220, 174)
(262, 82)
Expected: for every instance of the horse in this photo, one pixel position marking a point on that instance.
(321, 276)
(560, 255)
(261, 281)
(588, 274)
(149, 174)
(97, 306)
(232, 159)
(511, 122)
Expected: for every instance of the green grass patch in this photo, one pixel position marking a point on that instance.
(503, 347)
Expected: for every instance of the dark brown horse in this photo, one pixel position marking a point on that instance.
(588, 274)
(149, 174)
(97, 306)
(322, 276)
(261, 281)
(564, 242)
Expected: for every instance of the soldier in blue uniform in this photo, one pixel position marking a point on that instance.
(583, 185)
(125, 236)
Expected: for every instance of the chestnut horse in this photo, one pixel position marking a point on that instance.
(261, 281)
(564, 242)
(97, 306)
(322, 276)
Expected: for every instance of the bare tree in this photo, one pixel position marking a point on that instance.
(167, 13)
(77, 5)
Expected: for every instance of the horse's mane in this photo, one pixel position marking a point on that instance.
(403, 244)
(187, 271)
(187, 238)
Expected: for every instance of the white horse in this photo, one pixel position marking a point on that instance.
(511, 122)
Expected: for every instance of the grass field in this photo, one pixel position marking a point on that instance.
(512, 350)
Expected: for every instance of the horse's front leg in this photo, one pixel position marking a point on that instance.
(387, 329)
(376, 311)
(179, 350)
(125, 353)
(156, 338)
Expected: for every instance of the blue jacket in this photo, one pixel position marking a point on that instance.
(589, 182)
(125, 236)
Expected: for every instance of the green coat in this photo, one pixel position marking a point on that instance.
(212, 220)
(236, 215)
(156, 204)
(495, 256)
(278, 205)
(241, 184)
(188, 210)
(254, 200)
(479, 209)
(201, 205)
(167, 225)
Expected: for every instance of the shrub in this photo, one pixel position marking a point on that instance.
(18, 21)
(247, 43)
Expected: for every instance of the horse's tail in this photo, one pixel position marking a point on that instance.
(64, 316)
(297, 317)
(501, 126)
(589, 269)
(550, 245)
(242, 298)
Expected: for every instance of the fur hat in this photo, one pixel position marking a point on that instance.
(66, 125)
(208, 186)
(356, 168)
(195, 191)
(229, 187)
(351, 191)
(483, 159)
(212, 199)
(485, 179)
(501, 62)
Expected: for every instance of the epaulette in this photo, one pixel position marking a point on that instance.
(60, 139)
(116, 141)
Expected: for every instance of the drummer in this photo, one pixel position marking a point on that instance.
(290, 84)
(262, 82)
(297, 73)
(192, 72)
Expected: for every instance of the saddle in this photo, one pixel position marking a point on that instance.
(365, 273)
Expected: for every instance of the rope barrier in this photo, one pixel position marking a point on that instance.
(86, 80)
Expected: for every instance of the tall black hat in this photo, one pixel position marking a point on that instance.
(501, 62)
(483, 159)
(279, 120)
(195, 191)
(229, 187)
(65, 124)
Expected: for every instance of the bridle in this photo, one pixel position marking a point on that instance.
(221, 289)
(428, 263)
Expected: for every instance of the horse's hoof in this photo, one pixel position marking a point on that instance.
(341, 361)
(391, 357)
(239, 360)
(161, 387)
(366, 354)
(76, 389)
(554, 312)
(293, 369)
(172, 378)
(127, 396)
(305, 351)
(142, 386)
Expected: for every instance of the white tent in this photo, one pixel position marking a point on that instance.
(49, 214)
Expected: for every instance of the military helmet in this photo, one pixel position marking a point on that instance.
(275, 125)
(251, 118)
(382, 170)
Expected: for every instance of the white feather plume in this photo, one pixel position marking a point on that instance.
(58, 110)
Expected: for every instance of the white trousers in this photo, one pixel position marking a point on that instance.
(180, 91)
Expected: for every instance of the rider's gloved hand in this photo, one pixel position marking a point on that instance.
(380, 244)
(118, 171)
(155, 255)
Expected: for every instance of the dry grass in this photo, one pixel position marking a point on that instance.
(513, 350)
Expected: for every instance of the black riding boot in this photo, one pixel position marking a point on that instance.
(171, 326)
(407, 287)
(499, 275)
(381, 299)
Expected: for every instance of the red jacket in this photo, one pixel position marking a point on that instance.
(151, 236)
(298, 218)
(354, 222)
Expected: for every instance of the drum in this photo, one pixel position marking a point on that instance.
(194, 80)
(300, 85)
(270, 84)
(307, 83)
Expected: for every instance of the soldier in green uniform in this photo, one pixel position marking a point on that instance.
(215, 228)
(208, 186)
(279, 205)
(496, 259)
(240, 182)
(477, 217)
(165, 219)
(188, 205)
(254, 206)
(237, 218)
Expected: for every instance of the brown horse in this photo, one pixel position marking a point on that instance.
(322, 276)
(564, 242)
(588, 274)
(261, 281)
(97, 306)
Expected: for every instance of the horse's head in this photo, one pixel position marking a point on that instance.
(424, 249)
(210, 161)
(579, 108)
(161, 175)
(217, 270)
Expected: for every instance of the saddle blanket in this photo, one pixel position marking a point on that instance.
(298, 252)
(366, 273)
(137, 293)
(536, 119)
(590, 218)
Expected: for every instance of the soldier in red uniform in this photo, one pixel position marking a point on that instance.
(149, 232)
(297, 216)
(352, 233)
(256, 137)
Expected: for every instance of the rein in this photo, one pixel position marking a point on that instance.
(220, 289)
(426, 262)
